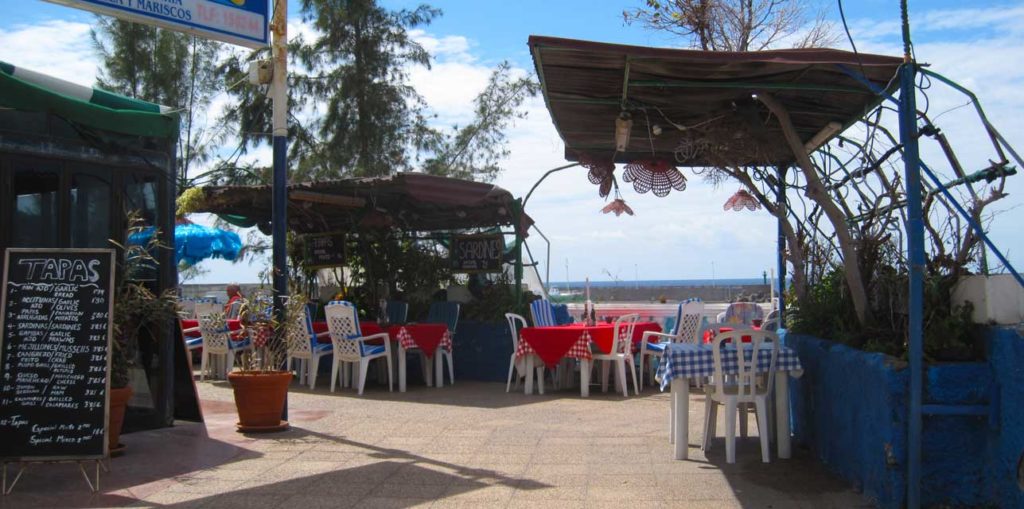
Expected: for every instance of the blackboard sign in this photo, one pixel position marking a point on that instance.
(326, 250)
(477, 253)
(55, 353)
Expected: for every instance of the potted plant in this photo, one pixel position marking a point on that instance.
(138, 312)
(261, 385)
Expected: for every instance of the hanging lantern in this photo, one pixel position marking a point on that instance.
(742, 199)
(654, 174)
(623, 128)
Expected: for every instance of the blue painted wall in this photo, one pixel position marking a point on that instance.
(481, 351)
(850, 409)
(1006, 445)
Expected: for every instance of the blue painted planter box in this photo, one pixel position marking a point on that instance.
(850, 409)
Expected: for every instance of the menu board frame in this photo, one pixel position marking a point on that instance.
(457, 263)
(110, 335)
(338, 238)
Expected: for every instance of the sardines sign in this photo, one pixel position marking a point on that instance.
(477, 253)
(57, 307)
(242, 22)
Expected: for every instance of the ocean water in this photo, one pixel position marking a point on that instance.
(660, 282)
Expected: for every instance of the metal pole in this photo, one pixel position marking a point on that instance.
(279, 221)
(915, 249)
(547, 263)
(544, 176)
(781, 257)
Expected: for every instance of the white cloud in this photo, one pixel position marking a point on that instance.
(59, 48)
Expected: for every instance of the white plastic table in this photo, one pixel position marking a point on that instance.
(683, 362)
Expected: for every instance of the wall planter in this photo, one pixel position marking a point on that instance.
(850, 409)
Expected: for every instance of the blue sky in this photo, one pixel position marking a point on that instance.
(672, 238)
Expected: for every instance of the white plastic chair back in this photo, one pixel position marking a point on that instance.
(691, 316)
(622, 337)
(771, 322)
(300, 336)
(343, 325)
(542, 313)
(746, 377)
(515, 324)
(216, 336)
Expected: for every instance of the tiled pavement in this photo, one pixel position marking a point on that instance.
(467, 445)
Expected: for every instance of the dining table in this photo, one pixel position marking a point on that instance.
(683, 362)
(430, 338)
(552, 344)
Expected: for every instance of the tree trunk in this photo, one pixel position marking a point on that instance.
(816, 192)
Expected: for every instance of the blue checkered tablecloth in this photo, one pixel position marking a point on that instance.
(692, 361)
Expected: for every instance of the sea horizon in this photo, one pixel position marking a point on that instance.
(649, 283)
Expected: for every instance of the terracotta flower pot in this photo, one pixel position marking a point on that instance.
(118, 403)
(259, 397)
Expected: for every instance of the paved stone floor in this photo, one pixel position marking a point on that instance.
(468, 445)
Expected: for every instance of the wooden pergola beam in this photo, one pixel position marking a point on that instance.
(328, 199)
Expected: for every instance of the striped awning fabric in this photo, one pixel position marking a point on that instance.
(27, 90)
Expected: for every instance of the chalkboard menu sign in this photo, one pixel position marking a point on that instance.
(477, 253)
(325, 250)
(54, 353)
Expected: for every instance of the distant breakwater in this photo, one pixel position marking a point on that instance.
(632, 293)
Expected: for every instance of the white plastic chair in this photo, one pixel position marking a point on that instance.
(216, 340)
(350, 345)
(771, 322)
(304, 347)
(743, 387)
(687, 330)
(621, 354)
(515, 324)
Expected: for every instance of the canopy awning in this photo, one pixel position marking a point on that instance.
(407, 201)
(702, 102)
(26, 90)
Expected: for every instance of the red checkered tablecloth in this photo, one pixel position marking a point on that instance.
(425, 336)
(552, 344)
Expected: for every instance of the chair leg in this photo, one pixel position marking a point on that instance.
(604, 376)
(202, 364)
(632, 370)
(363, 368)
(730, 431)
(229, 364)
(585, 378)
(511, 368)
(761, 410)
(314, 366)
(451, 367)
(391, 387)
(334, 372)
(401, 369)
(620, 375)
(540, 379)
(709, 414)
(438, 368)
(742, 411)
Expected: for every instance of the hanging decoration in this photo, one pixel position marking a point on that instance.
(195, 242)
(654, 174)
(742, 199)
(618, 205)
(602, 173)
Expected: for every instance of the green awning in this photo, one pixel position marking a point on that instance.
(25, 90)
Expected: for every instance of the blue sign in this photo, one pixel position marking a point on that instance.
(242, 22)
